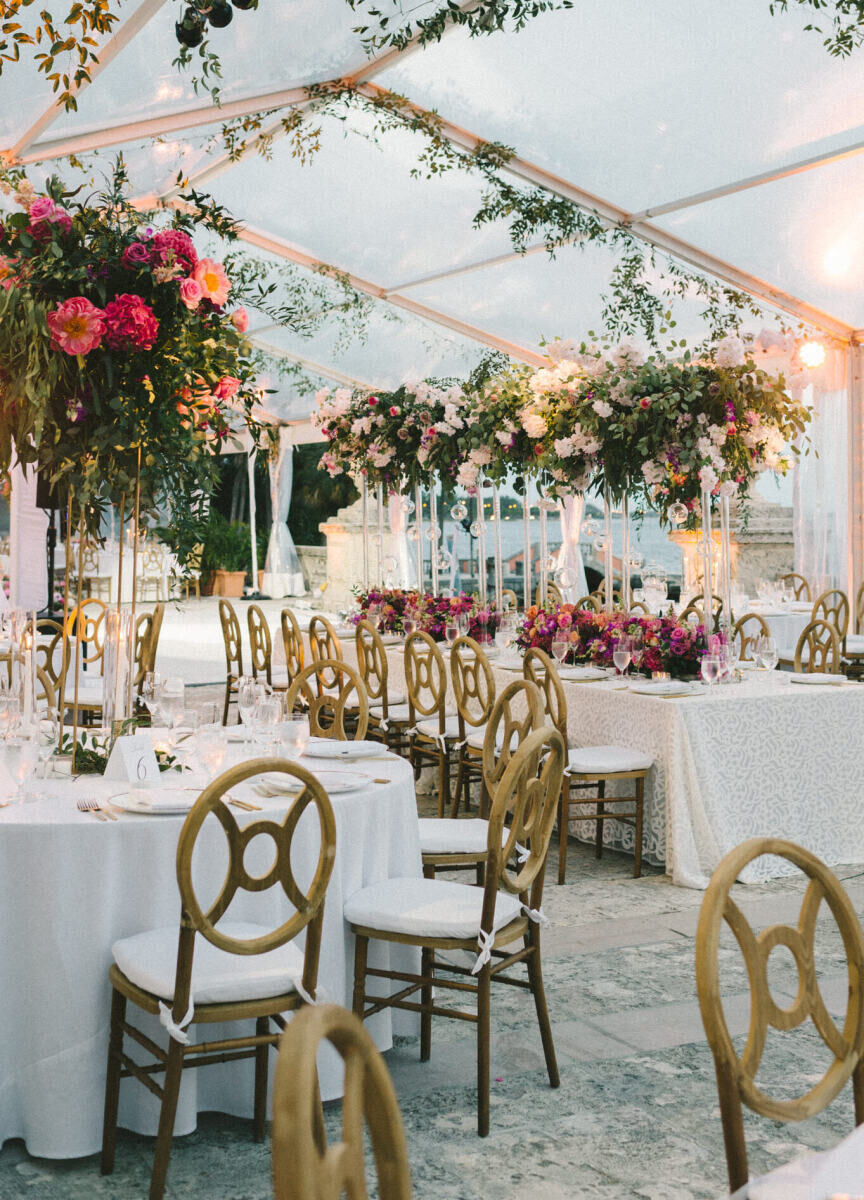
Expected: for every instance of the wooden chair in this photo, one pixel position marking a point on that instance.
(155, 630)
(450, 843)
(93, 582)
(85, 632)
(261, 648)
(591, 767)
(736, 1074)
(474, 691)
(638, 606)
(324, 645)
(143, 632)
(52, 649)
(189, 579)
(818, 650)
(304, 1166)
(435, 914)
(747, 630)
(833, 607)
(854, 648)
(233, 643)
(554, 595)
(292, 641)
(799, 583)
(151, 571)
(332, 712)
(510, 599)
(590, 601)
(46, 696)
(209, 972)
(389, 715)
(434, 731)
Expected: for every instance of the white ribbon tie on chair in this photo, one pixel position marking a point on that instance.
(177, 1032)
(536, 915)
(522, 853)
(306, 996)
(485, 941)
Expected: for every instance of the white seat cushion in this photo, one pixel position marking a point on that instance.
(605, 760)
(448, 835)
(855, 643)
(427, 908)
(430, 728)
(150, 961)
(395, 712)
(393, 698)
(89, 688)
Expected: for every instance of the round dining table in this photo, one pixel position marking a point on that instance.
(72, 884)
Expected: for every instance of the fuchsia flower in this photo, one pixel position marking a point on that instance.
(213, 280)
(43, 214)
(373, 400)
(191, 293)
(174, 246)
(135, 256)
(130, 324)
(77, 326)
(240, 320)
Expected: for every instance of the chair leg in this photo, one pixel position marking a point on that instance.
(640, 804)
(227, 704)
(170, 1094)
(112, 1081)
(361, 954)
(443, 781)
(601, 807)
(563, 821)
(259, 1123)
(535, 976)
(483, 1035)
(427, 958)
(461, 772)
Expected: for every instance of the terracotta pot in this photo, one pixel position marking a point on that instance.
(228, 583)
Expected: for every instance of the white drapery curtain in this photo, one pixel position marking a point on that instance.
(282, 574)
(28, 525)
(570, 555)
(821, 481)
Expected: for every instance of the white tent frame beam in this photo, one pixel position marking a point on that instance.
(314, 368)
(468, 268)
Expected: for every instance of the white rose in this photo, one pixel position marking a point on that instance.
(467, 475)
(729, 352)
(708, 478)
(729, 488)
(533, 423)
(481, 457)
(602, 409)
(627, 355)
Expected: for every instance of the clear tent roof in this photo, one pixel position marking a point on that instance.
(693, 119)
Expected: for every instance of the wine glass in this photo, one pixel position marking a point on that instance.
(10, 714)
(294, 736)
(247, 698)
(767, 652)
(409, 622)
(560, 649)
(621, 655)
(463, 624)
(266, 715)
(212, 748)
(451, 631)
(150, 688)
(172, 700)
(637, 649)
(710, 669)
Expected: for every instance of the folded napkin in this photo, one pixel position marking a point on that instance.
(837, 1172)
(163, 799)
(818, 677)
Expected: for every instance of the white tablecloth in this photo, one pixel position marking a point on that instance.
(765, 757)
(71, 885)
(786, 625)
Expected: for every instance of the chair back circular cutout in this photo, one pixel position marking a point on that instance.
(638, 606)
(820, 640)
(833, 607)
(799, 585)
(372, 662)
(260, 645)
(232, 639)
(590, 601)
(539, 669)
(517, 711)
(425, 679)
(738, 1072)
(304, 1167)
(85, 624)
(306, 902)
(324, 645)
(332, 710)
(292, 640)
(473, 683)
(524, 807)
(747, 631)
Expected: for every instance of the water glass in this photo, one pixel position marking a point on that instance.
(248, 695)
(767, 652)
(462, 624)
(266, 715)
(710, 669)
(150, 688)
(621, 656)
(293, 737)
(172, 700)
(10, 715)
(408, 625)
(47, 737)
(451, 632)
(23, 762)
(560, 649)
(212, 748)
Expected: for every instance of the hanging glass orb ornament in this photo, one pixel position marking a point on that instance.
(678, 513)
(601, 542)
(445, 560)
(551, 562)
(219, 14)
(590, 528)
(407, 504)
(189, 30)
(566, 578)
(474, 529)
(412, 533)
(432, 533)
(459, 511)
(636, 559)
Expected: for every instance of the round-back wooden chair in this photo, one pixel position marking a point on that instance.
(638, 606)
(554, 595)
(736, 1073)
(854, 648)
(434, 731)
(388, 712)
(859, 610)
(341, 711)
(292, 641)
(591, 768)
(833, 607)
(747, 630)
(799, 584)
(85, 623)
(52, 649)
(155, 630)
(436, 915)
(474, 692)
(590, 601)
(324, 644)
(510, 599)
(143, 633)
(304, 1167)
(261, 648)
(233, 642)
(46, 694)
(818, 650)
(154, 970)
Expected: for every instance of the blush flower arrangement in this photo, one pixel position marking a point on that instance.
(431, 613)
(115, 340)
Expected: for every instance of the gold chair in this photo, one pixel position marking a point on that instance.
(143, 632)
(233, 643)
(155, 630)
(189, 579)
(332, 712)
(324, 645)
(638, 606)
(854, 647)
(474, 692)
(748, 630)
(833, 607)
(304, 1167)
(52, 649)
(151, 571)
(389, 715)
(590, 601)
(554, 595)
(590, 767)
(261, 648)
(45, 694)
(292, 641)
(799, 583)
(437, 915)
(510, 600)
(434, 730)
(213, 971)
(448, 843)
(85, 632)
(736, 1075)
(822, 645)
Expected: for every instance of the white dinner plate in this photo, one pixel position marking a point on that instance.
(582, 674)
(664, 687)
(330, 748)
(817, 678)
(169, 801)
(333, 782)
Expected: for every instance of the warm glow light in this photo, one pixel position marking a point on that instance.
(838, 258)
(812, 354)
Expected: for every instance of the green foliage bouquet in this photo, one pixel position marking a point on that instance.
(116, 347)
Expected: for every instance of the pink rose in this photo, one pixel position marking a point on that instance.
(226, 388)
(394, 411)
(42, 209)
(240, 320)
(130, 324)
(77, 326)
(191, 293)
(43, 214)
(373, 400)
(645, 402)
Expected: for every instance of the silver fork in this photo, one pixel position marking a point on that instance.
(85, 805)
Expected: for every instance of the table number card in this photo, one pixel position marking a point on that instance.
(133, 760)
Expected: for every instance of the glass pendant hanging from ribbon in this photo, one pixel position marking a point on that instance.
(481, 542)
(418, 528)
(608, 567)
(499, 562)
(526, 544)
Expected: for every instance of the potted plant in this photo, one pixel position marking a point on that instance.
(225, 558)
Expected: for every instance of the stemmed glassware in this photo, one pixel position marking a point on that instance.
(409, 621)
(451, 630)
(249, 692)
(767, 652)
(294, 736)
(637, 649)
(23, 762)
(150, 689)
(621, 655)
(10, 713)
(172, 700)
(560, 648)
(710, 669)
(266, 715)
(47, 737)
